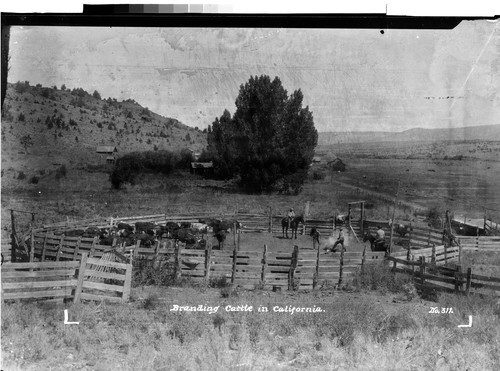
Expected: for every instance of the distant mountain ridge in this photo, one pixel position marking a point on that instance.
(482, 132)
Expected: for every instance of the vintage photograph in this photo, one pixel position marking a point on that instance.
(246, 198)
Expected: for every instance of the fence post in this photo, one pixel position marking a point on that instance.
(445, 254)
(92, 249)
(429, 238)
(341, 268)
(59, 249)
(270, 219)
(233, 274)
(316, 272)
(293, 266)
(77, 248)
(422, 269)
(409, 239)
(394, 264)
(208, 261)
(32, 246)
(177, 270)
(79, 282)
(127, 283)
(459, 252)
(234, 235)
(238, 239)
(363, 260)
(433, 254)
(44, 247)
(467, 283)
(264, 266)
(458, 279)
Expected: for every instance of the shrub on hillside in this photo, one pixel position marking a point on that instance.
(379, 277)
(132, 164)
(318, 175)
(186, 157)
(34, 180)
(21, 175)
(61, 172)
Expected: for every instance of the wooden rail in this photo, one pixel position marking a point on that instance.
(57, 280)
(431, 276)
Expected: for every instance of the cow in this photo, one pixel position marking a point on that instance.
(74, 233)
(222, 227)
(125, 226)
(200, 227)
(146, 227)
(187, 235)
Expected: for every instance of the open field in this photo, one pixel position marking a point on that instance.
(363, 330)
(461, 177)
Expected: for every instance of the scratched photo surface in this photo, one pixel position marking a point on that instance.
(247, 198)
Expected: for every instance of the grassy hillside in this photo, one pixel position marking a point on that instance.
(66, 126)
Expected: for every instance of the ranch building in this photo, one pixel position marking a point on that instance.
(109, 151)
(202, 168)
(336, 165)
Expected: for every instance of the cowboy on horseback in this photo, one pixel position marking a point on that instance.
(380, 236)
(290, 215)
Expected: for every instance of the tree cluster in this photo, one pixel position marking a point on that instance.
(269, 141)
(128, 167)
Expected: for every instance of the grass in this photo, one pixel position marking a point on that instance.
(352, 333)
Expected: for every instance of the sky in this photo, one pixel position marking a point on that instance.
(352, 80)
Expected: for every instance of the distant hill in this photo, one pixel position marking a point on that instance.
(484, 132)
(67, 125)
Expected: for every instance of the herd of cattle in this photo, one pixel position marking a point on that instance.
(192, 234)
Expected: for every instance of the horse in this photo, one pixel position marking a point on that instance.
(373, 245)
(294, 225)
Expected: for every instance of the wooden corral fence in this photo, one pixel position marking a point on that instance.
(436, 254)
(314, 270)
(6, 251)
(88, 279)
(417, 237)
(47, 246)
(480, 243)
(439, 278)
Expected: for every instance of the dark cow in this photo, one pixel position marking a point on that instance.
(187, 235)
(146, 227)
(92, 232)
(74, 233)
(402, 229)
(125, 226)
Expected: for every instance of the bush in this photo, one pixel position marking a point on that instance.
(149, 272)
(318, 175)
(379, 277)
(34, 180)
(21, 175)
(61, 172)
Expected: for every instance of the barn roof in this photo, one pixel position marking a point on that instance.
(202, 165)
(106, 149)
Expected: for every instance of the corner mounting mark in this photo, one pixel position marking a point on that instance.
(470, 323)
(66, 319)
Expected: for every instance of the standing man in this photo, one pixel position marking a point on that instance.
(340, 240)
(315, 236)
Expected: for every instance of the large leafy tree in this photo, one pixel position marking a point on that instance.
(269, 142)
